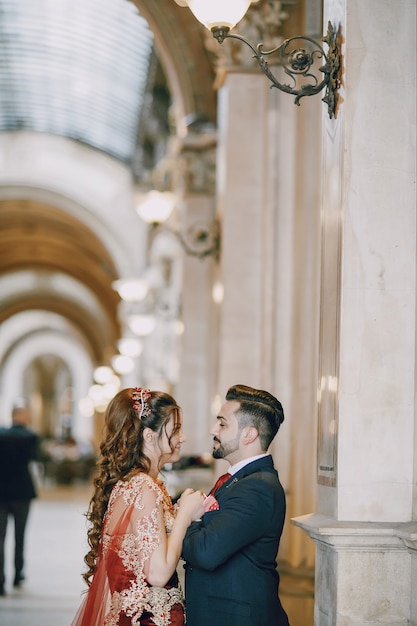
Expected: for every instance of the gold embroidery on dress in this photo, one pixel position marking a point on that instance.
(135, 548)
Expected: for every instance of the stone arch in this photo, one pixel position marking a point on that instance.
(179, 40)
(71, 351)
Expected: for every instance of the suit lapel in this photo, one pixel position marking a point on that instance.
(263, 464)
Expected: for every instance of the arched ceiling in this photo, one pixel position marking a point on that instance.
(179, 40)
(33, 233)
(51, 242)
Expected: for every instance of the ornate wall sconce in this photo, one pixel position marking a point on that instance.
(199, 240)
(221, 16)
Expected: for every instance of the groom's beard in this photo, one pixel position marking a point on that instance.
(224, 449)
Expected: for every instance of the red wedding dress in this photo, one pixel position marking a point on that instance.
(119, 594)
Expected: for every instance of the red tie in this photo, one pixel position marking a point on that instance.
(221, 479)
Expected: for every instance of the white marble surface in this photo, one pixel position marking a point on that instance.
(365, 572)
(364, 531)
(369, 184)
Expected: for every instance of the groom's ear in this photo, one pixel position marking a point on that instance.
(249, 435)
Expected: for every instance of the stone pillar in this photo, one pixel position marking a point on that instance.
(269, 203)
(365, 526)
(244, 209)
(198, 360)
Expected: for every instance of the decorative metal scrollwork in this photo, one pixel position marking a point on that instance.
(201, 240)
(300, 63)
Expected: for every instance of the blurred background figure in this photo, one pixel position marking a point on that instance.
(19, 446)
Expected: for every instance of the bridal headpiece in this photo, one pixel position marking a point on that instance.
(141, 399)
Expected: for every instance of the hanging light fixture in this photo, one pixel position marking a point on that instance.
(130, 346)
(299, 63)
(142, 325)
(157, 206)
(103, 374)
(199, 239)
(218, 13)
(131, 289)
(122, 364)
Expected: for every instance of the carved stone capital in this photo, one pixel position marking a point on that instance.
(189, 165)
(196, 164)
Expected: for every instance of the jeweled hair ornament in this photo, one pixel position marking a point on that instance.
(140, 399)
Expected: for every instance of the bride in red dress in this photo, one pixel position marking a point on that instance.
(135, 535)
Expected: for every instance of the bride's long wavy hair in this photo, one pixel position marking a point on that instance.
(121, 454)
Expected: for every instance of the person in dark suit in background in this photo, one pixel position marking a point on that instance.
(19, 445)
(230, 567)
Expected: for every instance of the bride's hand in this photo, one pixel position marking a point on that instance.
(191, 504)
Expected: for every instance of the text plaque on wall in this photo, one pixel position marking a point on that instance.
(329, 311)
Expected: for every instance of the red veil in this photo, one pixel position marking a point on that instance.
(119, 594)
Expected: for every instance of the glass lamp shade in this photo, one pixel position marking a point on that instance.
(129, 346)
(131, 289)
(157, 206)
(141, 325)
(122, 364)
(212, 13)
(103, 374)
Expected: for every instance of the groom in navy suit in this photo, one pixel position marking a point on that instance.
(230, 572)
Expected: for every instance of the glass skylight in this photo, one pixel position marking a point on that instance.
(75, 68)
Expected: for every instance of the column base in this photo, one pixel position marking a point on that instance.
(366, 573)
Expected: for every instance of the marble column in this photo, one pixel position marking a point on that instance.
(365, 524)
(268, 199)
(245, 211)
(195, 174)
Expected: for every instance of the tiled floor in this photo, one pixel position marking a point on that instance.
(56, 544)
(55, 547)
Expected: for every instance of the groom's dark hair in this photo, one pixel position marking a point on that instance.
(258, 408)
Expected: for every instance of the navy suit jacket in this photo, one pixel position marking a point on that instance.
(230, 569)
(18, 446)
